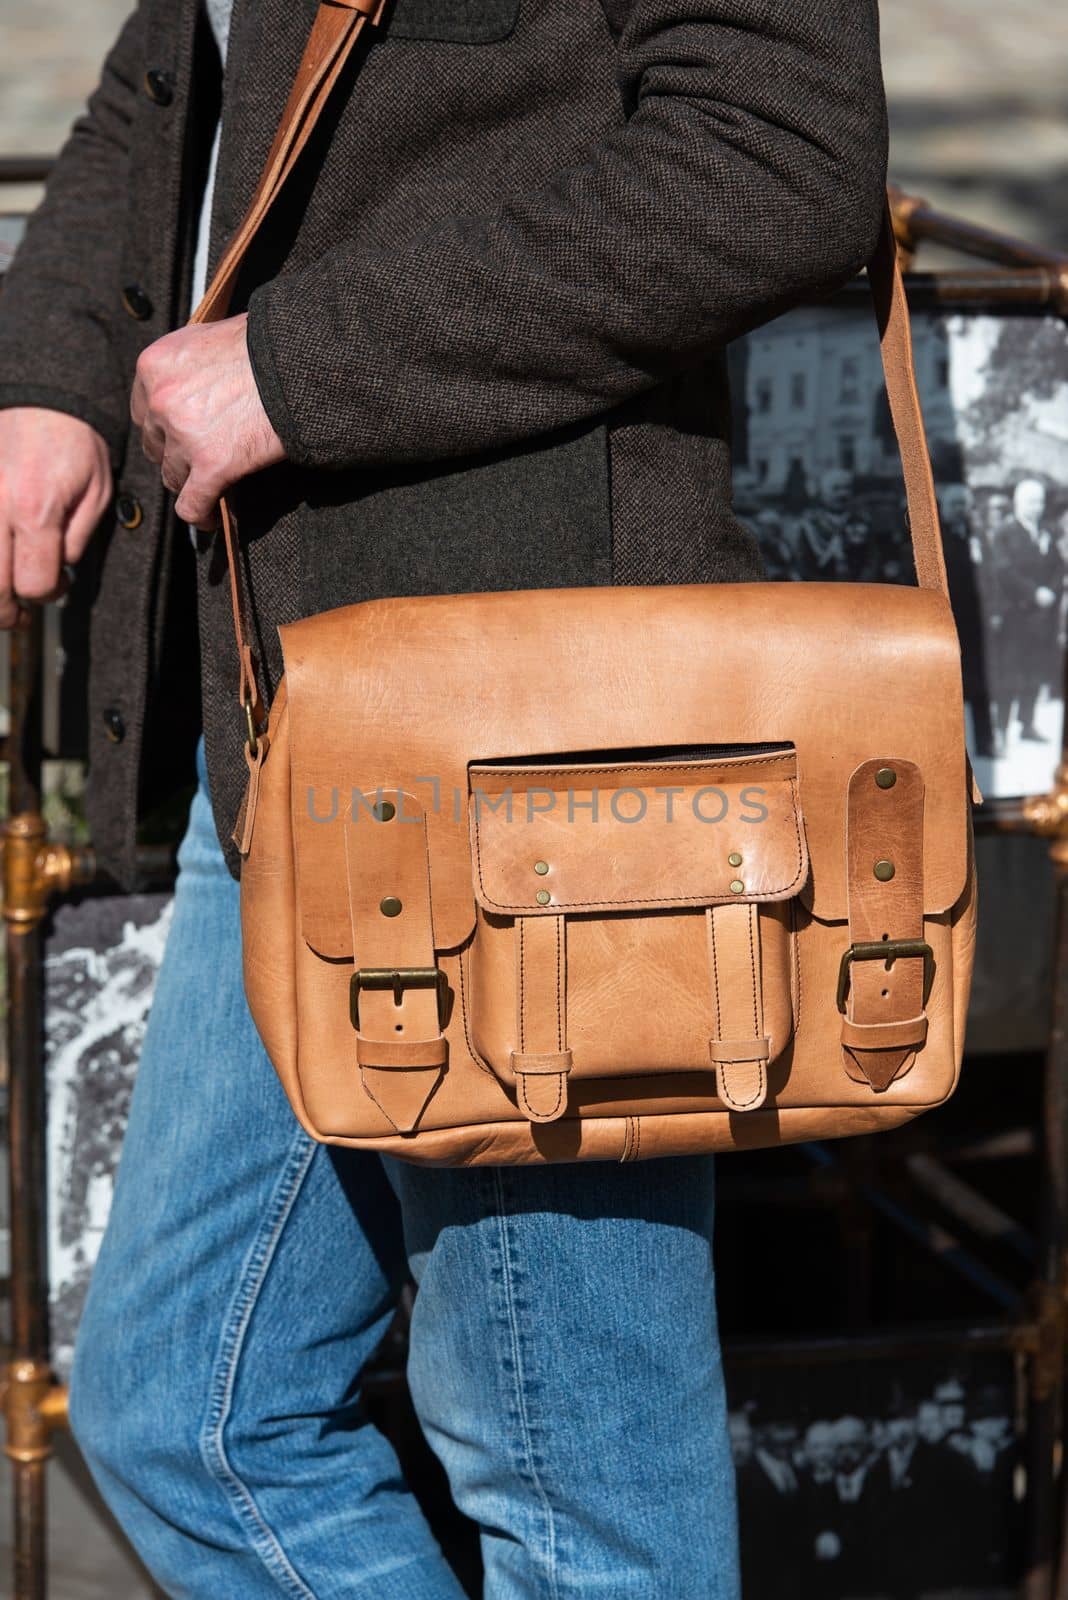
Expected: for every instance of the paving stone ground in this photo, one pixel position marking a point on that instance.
(979, 109)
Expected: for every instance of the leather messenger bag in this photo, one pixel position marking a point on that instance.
(609, 873)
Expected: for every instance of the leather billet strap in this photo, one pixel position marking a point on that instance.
(882, 996)
(337, 27)
(739, 1048)
(398, 1001)
(543, 1060)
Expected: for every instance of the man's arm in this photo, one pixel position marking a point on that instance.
(750, 170)
(59, 296)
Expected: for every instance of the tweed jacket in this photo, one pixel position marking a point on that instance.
(488, 319)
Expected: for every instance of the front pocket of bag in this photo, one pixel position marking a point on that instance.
(635, 917)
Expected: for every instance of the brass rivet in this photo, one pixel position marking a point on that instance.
(735, 859)
(737, 886)
(384, 811)
(390, 906)
(543, 897)
(541, 868)
(886, 777)
(884, 871)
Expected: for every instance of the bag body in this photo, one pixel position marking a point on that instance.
(608, 873)
(613, 873)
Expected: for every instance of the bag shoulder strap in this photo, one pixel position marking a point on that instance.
(895, 346)
(337, 27)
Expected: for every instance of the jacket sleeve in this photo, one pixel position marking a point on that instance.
(749, 170)
(60, 294)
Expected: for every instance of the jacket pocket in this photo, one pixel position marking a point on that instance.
(452, 21)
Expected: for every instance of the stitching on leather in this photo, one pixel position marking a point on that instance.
(472, 1052)
(757, 1094)
(559, 986)
(528, 1105)
(638, 1135)
(796, 946)
(715, 969)
(753, 972)
(522, 1029)
(394, 1124)
(858, 829)
(429, 894)
(631, 766)
(656, 900)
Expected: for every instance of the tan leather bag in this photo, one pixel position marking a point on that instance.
(614, 872)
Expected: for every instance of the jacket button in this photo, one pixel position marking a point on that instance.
(136, 302)
(114, 726)
(129, 511)
(159, 86)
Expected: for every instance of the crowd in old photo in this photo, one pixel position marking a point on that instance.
(1006, 558)
(904, 1486)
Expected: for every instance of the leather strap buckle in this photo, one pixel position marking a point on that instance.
(398, 979)
(888, 950)
(250, 730)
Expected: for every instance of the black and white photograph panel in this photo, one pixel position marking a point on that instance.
(882, 1481)
(818, 480)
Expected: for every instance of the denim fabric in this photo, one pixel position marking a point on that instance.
(564, 1355)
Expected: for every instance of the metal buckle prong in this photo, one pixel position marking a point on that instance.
(398, 979)
(250, 729)
(888, 950)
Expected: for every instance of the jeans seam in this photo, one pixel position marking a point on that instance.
(263, 1538)
(518, 1369)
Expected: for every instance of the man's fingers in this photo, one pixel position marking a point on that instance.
(174, 471)
(137, 400)
(83, 523)
(36, 563)
(61, 588)
(153, 440)
(9, 610)
(198, 503)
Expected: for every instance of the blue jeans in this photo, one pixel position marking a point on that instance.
(564, 1357)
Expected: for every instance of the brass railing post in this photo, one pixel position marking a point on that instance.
(22, 834)
(33, 869)
(33, 1403)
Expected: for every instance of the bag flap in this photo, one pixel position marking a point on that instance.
(408, 693)
(647, 836)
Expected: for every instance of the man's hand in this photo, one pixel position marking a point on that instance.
(55, 484)
(200, 414)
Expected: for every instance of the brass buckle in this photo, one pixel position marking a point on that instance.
(398, 979)
(250, 730)
(888, 950)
